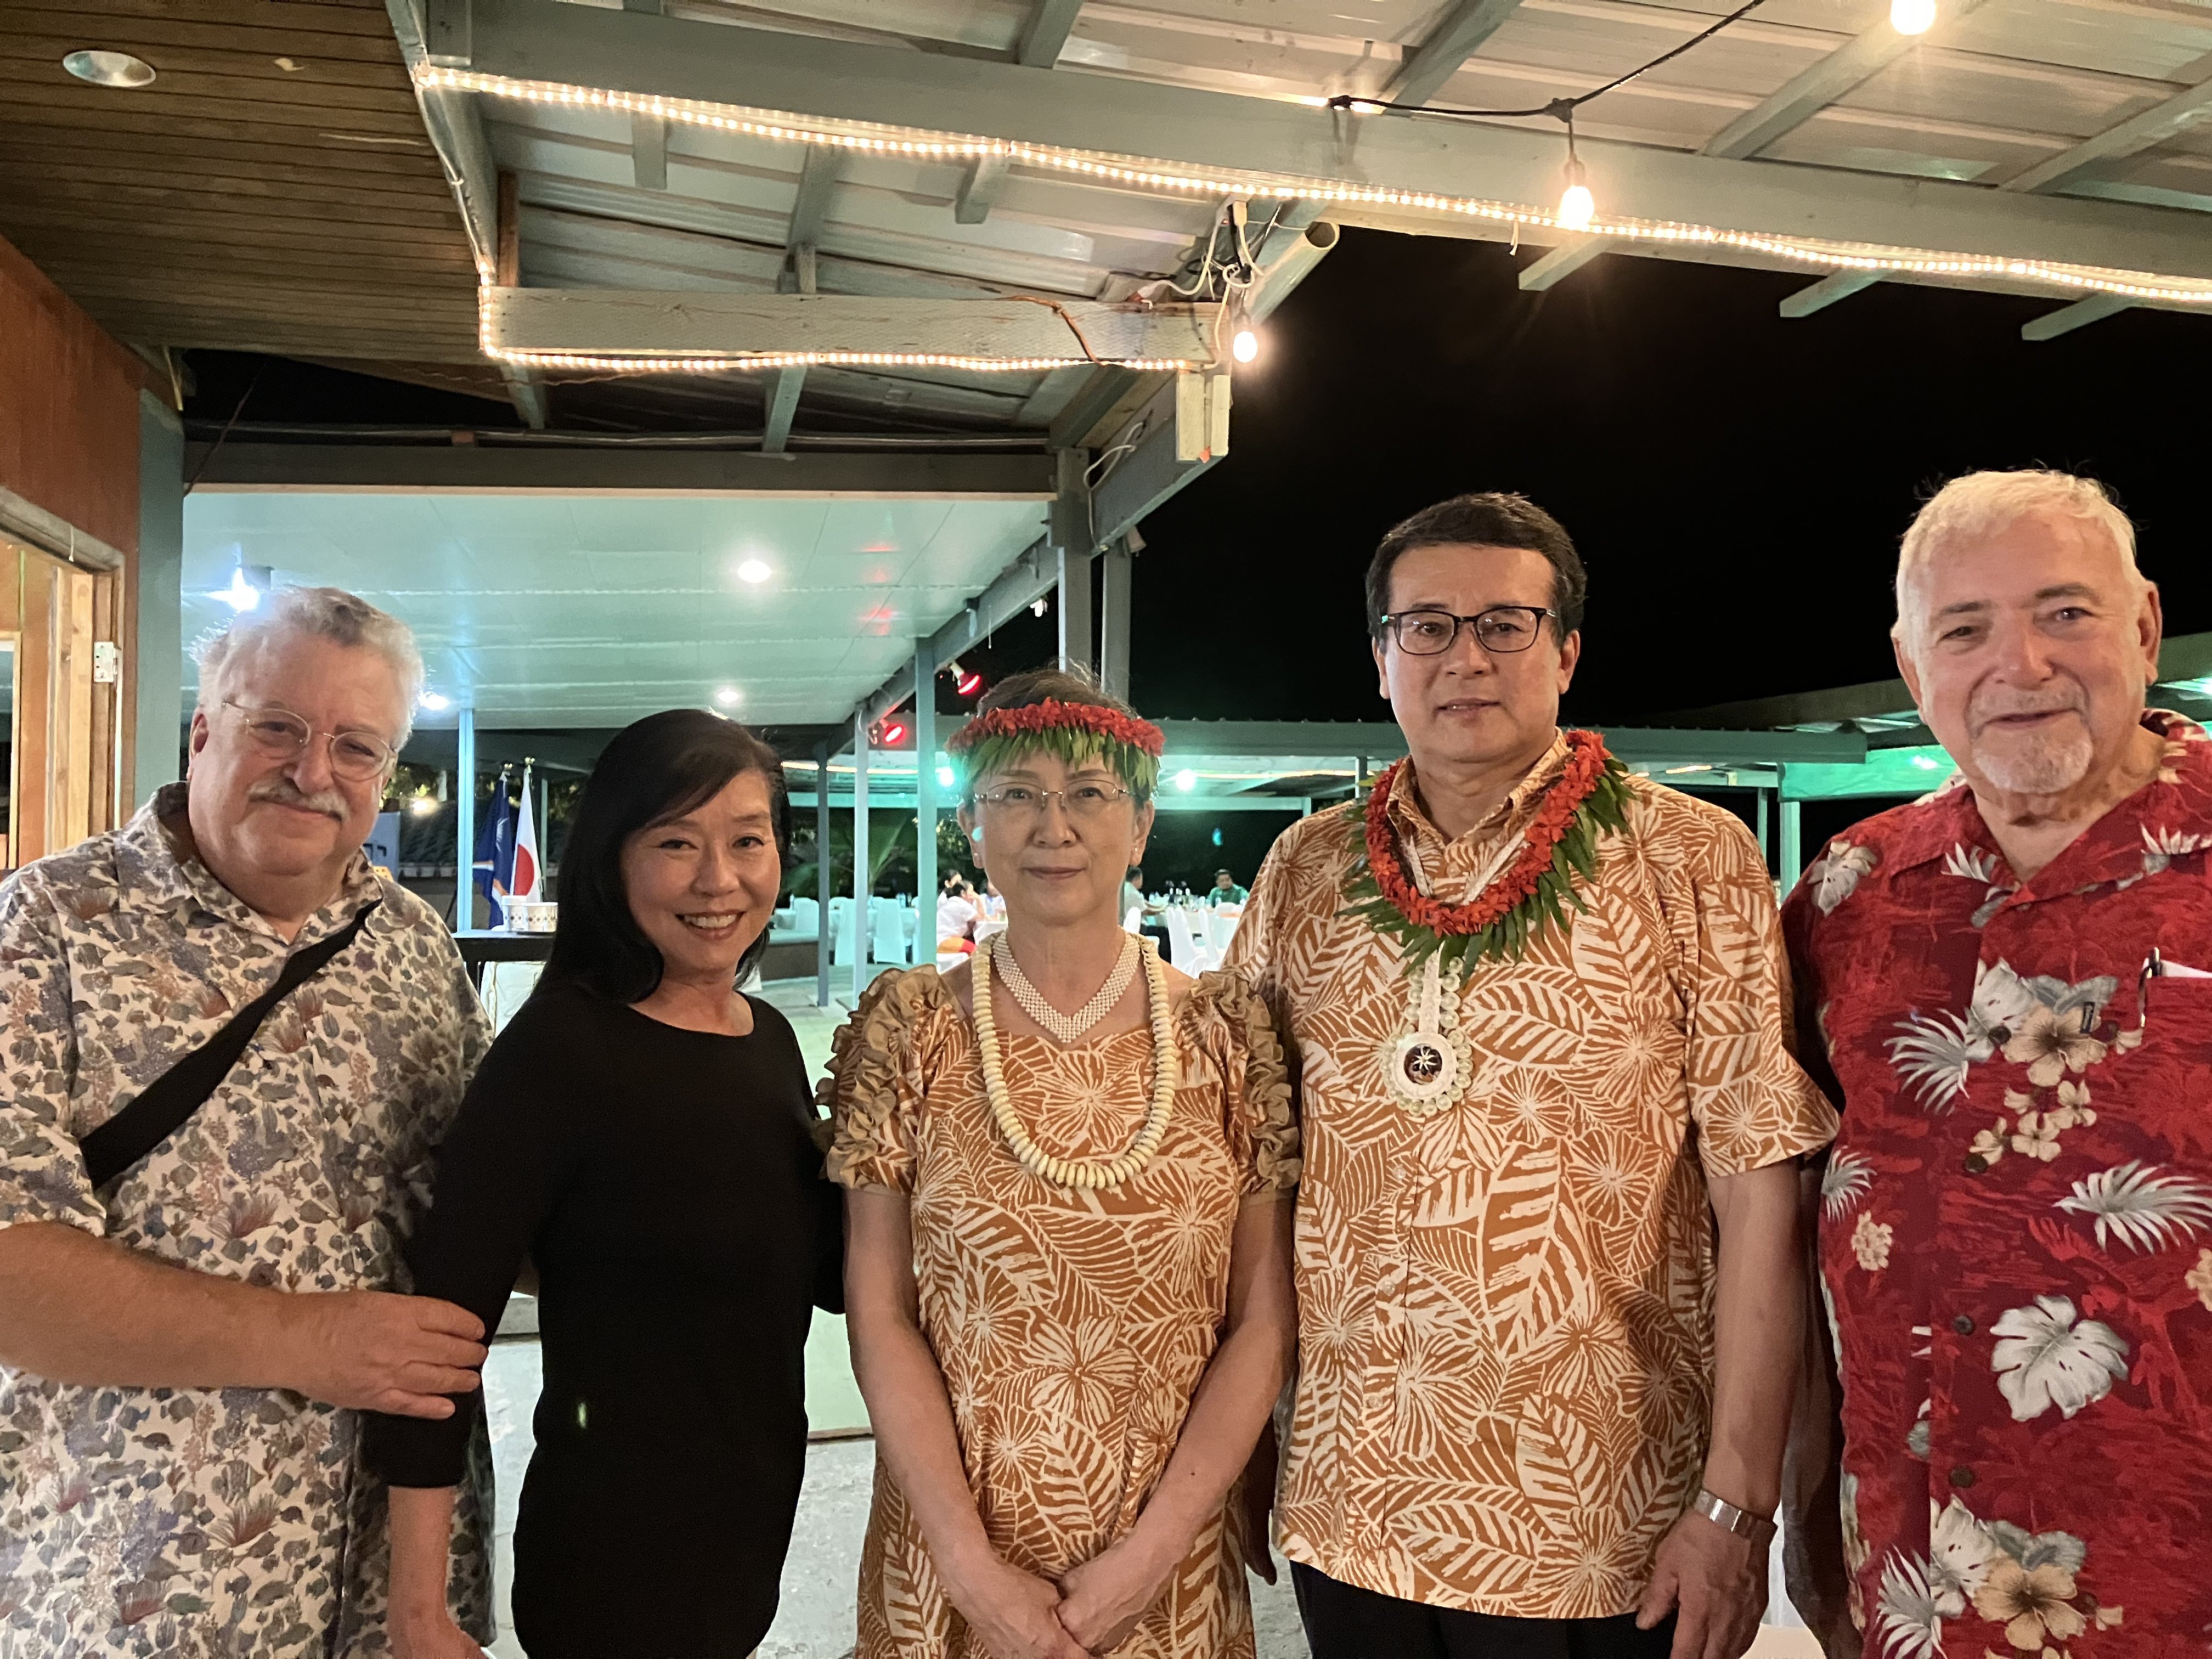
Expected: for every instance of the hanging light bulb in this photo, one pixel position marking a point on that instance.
(1911, 16)
(1244, 345)
(1577, 205)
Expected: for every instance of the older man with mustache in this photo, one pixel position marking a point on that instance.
(2011, 983)
(229, 1048)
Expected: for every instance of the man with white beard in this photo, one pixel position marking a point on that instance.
(2010, 984)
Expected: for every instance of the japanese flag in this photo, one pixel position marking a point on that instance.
(524, 887)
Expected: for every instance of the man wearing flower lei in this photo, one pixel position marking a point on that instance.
(2005, 985)
(1068, 1277)
(1536, 1008)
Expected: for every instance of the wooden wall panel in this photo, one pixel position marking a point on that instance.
(68, 408)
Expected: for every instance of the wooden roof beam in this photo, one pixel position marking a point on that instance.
(1805, 94)
(2067, 319)
(1045, 33)
(2153, 125)
(1819, 296)
(1449, 45)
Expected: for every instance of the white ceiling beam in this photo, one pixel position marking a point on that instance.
(648, 151)
(2067, 319)
(600, 322)
(2138, 132)
(1563, 262)
(979, 189)
(1820, 295)
(1447, 46)
(626, 470)
(845, 80)
(1819, 84)
(783, 409)
(1046, 31)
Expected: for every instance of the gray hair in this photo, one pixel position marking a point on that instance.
(326, 613)
(1979, 504)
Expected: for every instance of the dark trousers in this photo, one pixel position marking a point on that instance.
(1344, 1622)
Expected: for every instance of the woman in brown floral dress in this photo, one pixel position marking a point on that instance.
(1068, 1271)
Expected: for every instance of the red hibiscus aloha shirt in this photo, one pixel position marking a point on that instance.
(2016, 1222)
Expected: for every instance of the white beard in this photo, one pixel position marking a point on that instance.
(2039, 766)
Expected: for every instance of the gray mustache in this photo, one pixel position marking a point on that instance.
(284, 793)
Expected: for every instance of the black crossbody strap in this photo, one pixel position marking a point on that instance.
(160, 1110)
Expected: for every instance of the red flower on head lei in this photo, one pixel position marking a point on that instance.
(1053, 716)
(1559, 843)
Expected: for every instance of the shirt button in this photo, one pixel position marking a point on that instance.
(1962, 1476)
(1963, 1325)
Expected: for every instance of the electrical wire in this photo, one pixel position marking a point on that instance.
(1559, 109)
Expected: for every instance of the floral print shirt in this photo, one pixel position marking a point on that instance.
(1506, 1333)
(214, 1521)
(2016, 1224)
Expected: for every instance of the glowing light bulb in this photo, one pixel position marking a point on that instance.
(1186, 779)
(436, 700)
(1577, 205)
(422, 806)
(754, 570)
(945, 777)
(1245, 346)
(241, 594)
(1911, 16)
(728, 696)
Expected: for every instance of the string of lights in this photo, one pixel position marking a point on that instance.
(1237, 187)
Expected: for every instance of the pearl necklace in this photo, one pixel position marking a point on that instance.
(1065, 1171)
(1068, 1028)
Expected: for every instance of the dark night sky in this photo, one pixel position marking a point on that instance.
(1736, 482)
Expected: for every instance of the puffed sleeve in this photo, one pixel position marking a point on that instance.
(1258, 1115)
(1753, 1103)
(873, 1091)
(42, 1173)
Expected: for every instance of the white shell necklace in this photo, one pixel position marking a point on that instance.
(1068, 1171)
(1067, 1027)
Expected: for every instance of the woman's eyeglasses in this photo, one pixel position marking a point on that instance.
(1082, 800)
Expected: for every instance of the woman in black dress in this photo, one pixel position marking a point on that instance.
(644, 1133)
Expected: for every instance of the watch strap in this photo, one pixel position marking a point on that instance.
(1727, 1517)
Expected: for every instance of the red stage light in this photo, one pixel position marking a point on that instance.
(969, 684)
(893, 734)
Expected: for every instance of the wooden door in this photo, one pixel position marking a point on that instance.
(66, 717)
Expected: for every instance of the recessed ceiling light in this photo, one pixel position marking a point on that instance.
(435, 700)
(729, 696)
(754, 570)
(109, 69)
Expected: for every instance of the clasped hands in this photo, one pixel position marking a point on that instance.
(1090, 1611)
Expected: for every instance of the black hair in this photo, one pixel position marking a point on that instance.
(1491, 519)
(659, 769)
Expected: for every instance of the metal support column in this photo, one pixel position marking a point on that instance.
(156, 698)
(822, 874)
(1793, 860)
(925, 802)
(1069, 535)
(861, 860)
(465, 822)
(1119, 571)
(1077, 646)
(1765, 830)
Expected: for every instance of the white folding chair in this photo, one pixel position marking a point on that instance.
(886, 932)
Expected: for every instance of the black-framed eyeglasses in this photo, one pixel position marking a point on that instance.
(279, 734)
(1501, 630)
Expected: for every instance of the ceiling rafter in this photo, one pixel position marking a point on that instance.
(1447, 46)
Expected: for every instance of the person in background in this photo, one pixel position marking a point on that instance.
(1069, 1270)
(2003, 985)
(957, 913)
(1550, 1270)
(190, 1326)
(1225, 889)
(994, 902)
(1146, 910)
(642, 1131)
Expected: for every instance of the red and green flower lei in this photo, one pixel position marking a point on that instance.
(1589, 801)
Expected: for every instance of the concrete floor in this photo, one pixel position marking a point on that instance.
(815, 1618)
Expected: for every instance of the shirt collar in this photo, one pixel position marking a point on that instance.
(2112, 848)
(148, 864)
(1407, 816)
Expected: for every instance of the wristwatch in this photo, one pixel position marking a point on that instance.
(1725, 1515)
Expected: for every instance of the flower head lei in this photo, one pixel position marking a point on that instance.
(1078, 733)
(1529, 897)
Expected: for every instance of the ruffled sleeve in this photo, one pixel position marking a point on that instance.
(873, 1091)
(1258, 1115)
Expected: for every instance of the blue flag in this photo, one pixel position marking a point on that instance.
(495, 859)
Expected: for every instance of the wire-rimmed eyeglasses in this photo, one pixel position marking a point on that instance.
(355, 755)
(1501, 630)
(1081, 800)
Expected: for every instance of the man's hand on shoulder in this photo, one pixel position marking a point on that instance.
(374, 1352)
(1716, 1583)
